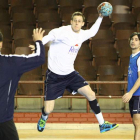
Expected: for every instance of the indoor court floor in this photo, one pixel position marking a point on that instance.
(27, 131)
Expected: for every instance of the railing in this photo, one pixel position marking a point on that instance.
(72, 96)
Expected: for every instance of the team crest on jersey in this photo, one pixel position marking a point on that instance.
(74, 49)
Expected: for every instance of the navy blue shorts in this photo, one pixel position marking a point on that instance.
(55, 84)
(134, 105)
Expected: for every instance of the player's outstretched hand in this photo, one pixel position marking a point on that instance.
(38, 34)
(98, 9)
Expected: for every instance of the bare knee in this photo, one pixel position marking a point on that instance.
(87, 92)
(48, 110)
(136, 123)
(91, 96)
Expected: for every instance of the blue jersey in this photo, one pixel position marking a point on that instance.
(133, 74)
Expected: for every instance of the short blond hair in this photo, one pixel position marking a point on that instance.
(78, 14)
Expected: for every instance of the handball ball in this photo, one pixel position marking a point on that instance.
(105, 8)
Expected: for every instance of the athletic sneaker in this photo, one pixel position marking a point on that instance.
(41, 124)
(107, 126)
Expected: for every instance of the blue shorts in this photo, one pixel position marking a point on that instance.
(134, 105)
(55, 84)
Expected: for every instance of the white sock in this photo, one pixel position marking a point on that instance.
(44, 117)
(100, 118)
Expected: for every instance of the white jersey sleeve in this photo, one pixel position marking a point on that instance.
(93, 30)
(52, 36)
(138, 64)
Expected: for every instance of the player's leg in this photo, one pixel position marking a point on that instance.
(134, 107)
(46, 110)
(87, 92)
(79, 84)
(9, 131)
(49, 106)
(90, 95)
(131, 106)
(54, 88)
(136, 121)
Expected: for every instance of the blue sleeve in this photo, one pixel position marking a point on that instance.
(26, 63)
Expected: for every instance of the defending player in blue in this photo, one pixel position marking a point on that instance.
(11, 69)
(61, 75)
(133, 90)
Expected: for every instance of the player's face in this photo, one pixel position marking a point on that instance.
(0, 45)
(77, 23)
(135, 43)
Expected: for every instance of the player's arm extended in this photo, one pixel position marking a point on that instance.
(93, 30)
(25, 63)
(29, 62)
(95, 27)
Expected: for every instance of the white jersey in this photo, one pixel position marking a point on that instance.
(65, 46)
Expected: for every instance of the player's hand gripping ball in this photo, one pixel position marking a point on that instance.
(105, 9)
